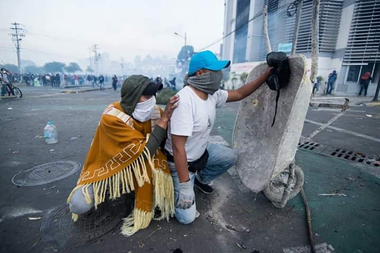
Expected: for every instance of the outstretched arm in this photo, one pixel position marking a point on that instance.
(249, 88)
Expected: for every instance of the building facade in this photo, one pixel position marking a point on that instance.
(349, 37)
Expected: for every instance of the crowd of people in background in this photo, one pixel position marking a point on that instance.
(64, 80)
(58, 80)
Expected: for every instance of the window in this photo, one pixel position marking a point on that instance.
(353, 73)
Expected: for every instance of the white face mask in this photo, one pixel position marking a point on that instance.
(144, 110)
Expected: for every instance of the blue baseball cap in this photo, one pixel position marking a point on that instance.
(206, 60)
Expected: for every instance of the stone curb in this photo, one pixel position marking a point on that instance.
(7, 97)
(82, 91)
(371, 104)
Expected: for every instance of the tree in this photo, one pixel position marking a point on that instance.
(89, 69)
(54, 66)
(183, 58)
(73, 67)
(33, 69)
(10, 67)
(185, 54)
(243, 77)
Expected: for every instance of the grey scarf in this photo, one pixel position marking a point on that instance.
(207, 82)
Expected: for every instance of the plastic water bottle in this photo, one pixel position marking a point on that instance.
(50, 133)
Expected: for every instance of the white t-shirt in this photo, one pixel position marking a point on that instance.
(194, 117)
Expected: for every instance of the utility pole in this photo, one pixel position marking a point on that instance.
(17, 34)
(298, 18)
(89, 50)
(314, 40)
(96, 59)
(122, 65)
(185, 37)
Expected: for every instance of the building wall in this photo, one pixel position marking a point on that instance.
(229, 26)
(255, 31)
(241, 30)
(329, 60)
(360, 54)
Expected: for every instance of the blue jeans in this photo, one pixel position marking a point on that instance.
(220, 159)
(330, 87)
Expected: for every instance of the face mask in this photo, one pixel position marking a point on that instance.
(207, 82)
(144, 110)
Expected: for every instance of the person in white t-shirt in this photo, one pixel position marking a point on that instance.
(192, 160)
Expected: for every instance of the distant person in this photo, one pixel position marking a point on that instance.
(57, 80)
(5, 77)
(114, 82)
(94, 80)
(101, 82)
(364, 82)
(81, 80)
(76, 80)
(36, 81)
(3, 80)
(330, 81)
(66, 78)
(316, 86)
(158, 79)
(45, 80)
(50, 79)
(27, 79)
(89, 79)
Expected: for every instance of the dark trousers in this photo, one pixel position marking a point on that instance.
(363, 87)
(6, 88)
(3, 89)
(330, 87)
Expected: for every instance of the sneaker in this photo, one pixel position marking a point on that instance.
(205, 188)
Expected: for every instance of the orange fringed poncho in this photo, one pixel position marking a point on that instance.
(118, 162)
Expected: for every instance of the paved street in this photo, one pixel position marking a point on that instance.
(358, 129)
(233, 219)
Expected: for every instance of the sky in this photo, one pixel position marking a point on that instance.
(64, 30)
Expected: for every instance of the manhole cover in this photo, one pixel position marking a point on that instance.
(46, 173)
(60, 231)
(309, 146)
(350, 156)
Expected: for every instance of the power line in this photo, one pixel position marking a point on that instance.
(17, 35)
(291, 9)
(228, 34)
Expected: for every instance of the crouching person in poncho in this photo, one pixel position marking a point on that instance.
(125, 156)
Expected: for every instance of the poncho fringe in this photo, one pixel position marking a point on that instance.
(132, 177)
(122, 183)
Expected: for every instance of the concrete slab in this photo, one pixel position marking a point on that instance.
(265, 149)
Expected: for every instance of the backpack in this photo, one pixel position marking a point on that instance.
(280, 74)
